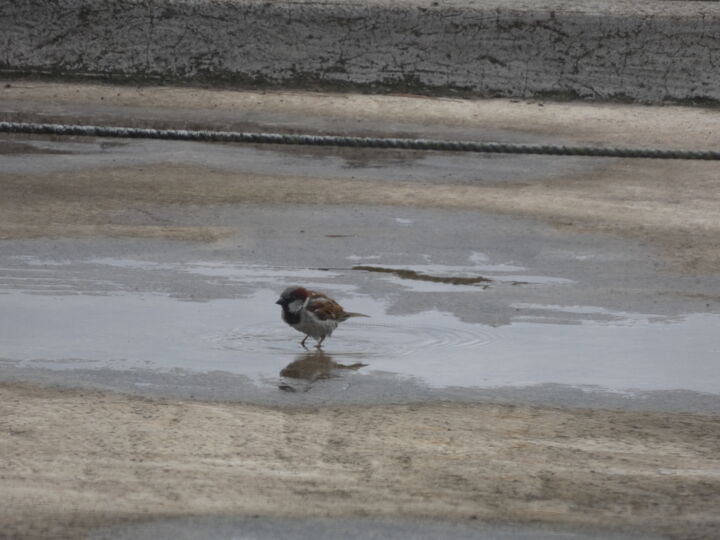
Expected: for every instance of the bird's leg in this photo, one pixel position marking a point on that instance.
(319, 343)
(303, 341)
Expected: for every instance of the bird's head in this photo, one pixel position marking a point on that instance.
(292, 294)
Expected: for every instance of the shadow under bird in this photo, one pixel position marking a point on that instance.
(312, 313)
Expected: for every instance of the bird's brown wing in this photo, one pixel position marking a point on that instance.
(325, 308)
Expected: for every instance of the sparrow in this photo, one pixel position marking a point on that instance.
(312, 313)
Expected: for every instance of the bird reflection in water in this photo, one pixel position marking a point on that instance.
(311, 367)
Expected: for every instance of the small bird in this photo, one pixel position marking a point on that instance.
(312, 313)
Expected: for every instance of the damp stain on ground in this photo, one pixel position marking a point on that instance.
(414, 275)
(26, 148)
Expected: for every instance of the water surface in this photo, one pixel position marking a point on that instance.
(59, 323)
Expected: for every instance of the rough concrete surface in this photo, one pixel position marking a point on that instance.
(367, 528)
(650, 51)
(74, 460)
(77, 459)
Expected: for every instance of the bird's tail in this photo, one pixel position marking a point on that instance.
(348, 315)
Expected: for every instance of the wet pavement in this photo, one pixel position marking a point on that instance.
(145, 267)
(20, 155)
(462, 305)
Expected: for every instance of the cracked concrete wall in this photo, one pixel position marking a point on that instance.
(614, 50)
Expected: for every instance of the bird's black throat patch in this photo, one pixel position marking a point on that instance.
(290, 317)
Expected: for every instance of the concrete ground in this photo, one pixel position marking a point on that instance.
(146, 374)
(651, 52)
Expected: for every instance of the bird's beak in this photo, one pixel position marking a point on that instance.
(279, 302)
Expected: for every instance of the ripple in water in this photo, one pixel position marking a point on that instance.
(368, 339)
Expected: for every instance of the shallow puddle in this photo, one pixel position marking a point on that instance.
(59, 323)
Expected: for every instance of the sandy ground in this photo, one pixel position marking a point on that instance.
(78, 459)
(72, 460)
(610, 124)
